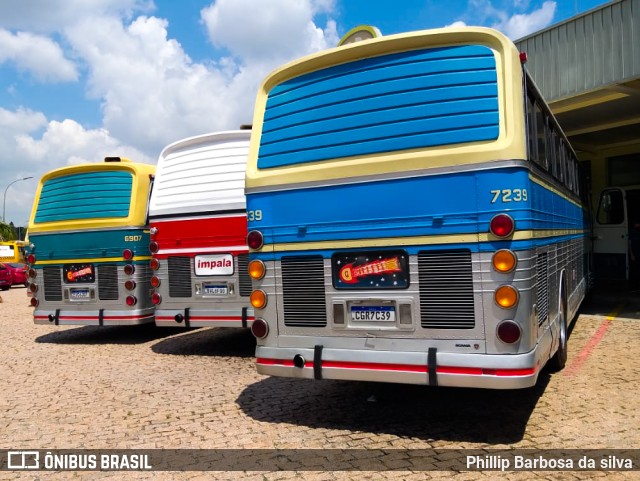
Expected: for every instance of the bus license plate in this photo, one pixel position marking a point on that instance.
(79, 294)
(373, 314)
(216, 290)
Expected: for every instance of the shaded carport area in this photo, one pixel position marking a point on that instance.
(588, 70)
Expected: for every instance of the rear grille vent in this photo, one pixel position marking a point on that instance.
(108, 282)
(542, 287)
(243, 275)
(52, 284)
(180, 277)
(446, 290)
(303, 291)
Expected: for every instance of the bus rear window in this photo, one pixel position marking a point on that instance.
(91, 195)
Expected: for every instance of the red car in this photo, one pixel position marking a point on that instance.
(6, 277)
(19, 272)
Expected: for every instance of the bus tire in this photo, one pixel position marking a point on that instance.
(559, 359)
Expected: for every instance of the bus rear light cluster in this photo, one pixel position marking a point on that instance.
(260, 328)
(502, 225)
(154, 264)
(156, 298)
(34, 302)
(131, 300)
(31, 259)
(509, 332)
(506, 296)
(155, 281)
(255, 239)
(258, 299)
(130, 285)
(129, 269)
(257, 269)
(504, 261)
(127, 254)
(153, 247)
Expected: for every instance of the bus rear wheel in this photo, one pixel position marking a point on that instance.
(559, 359)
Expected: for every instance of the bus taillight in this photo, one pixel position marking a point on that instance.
(34, 302)
(260, 328)
(156, 298)
(257, 269)
(509, 332)
(31, 259)
(131, 300)
(154, 264)
(506, 296)
(130, 285)
(153, 247)
(32, 273)
(155, 281)
(502, 225)
(33, 288)
(255, 239)
(258, 299)
(504, 260)
(127, 254)
(129, 269)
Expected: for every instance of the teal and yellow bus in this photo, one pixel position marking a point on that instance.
(89, 261)
(415, 215)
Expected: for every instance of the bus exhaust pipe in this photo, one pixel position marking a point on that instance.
(298, 361)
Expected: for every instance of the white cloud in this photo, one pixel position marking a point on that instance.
(458, 23)
(38, 146)
(520, 25)
(39, 56)
(275, 30)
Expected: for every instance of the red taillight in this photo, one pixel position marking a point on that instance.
(502, 225)
(127, 254)
(32, 273)
(260, 328)
(33, 287)
(130, 285)
(153, 247)
(255, 239)
(34, 302)
(523, 57)
(155, 281)
(31, 259)
(131, 300)
(156, 298)
(129, 269)
(154, 264)
(509, 332)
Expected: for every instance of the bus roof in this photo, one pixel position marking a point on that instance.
(201, 174)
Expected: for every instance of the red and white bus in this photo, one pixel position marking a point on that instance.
(198, 221)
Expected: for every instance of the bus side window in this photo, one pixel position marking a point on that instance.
(532, 141)
(611, 208)
(541, 136)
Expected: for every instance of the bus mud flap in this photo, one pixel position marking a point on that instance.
(244, 317)
(57, 317)
(317, 362)
(431, 366)
(187, 322)
(101, 317)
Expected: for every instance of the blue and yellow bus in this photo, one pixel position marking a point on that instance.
(89, 261)
(415, 215)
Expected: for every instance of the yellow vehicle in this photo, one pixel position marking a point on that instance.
(13, 251)
(90, 237)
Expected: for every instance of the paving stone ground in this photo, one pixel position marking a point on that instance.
(147, 387)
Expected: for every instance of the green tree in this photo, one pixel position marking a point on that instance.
(7, 232)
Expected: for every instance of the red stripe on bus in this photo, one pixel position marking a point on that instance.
(473, 371)
(204, 318)
(201, 233)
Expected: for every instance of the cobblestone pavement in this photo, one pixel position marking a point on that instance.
(146, 387)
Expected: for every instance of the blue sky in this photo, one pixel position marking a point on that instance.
(85, 79)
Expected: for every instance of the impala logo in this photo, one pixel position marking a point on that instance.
(214, 265)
